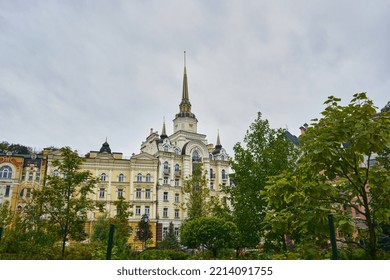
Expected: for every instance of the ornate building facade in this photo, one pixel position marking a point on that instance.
(152, 180)
(19, 175)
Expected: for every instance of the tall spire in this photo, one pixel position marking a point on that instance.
(218, 140)
(185, 105)
(164, 131)
(218, 147)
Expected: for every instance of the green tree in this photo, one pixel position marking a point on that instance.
(5, 214)
(170, 240)
(144, 231)
(338, 160)
(64, 200)
(294, 216)
(15, 148)
(26, 237)
(267, 152)
(198, 204)
(209, 232)
(121, 248)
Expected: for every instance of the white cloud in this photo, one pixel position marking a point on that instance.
(75, 72)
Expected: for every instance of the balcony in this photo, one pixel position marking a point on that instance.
(166, 171)
(177, 173)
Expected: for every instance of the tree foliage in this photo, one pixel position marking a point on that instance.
(266, 152)
(198, 203)
(144, 230)
(64, 200)
(170, 240)
(209, 232)
(15, 148)
(339, 153)
(122, 230)
(343, 166)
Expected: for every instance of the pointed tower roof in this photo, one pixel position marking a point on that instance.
(105, 148)
(185, 105)
(164, 131)
(218, 146)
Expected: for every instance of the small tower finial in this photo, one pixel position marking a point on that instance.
(184, 59)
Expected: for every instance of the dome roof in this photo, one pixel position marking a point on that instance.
(105, 148)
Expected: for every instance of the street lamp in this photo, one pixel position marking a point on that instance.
(145, 219)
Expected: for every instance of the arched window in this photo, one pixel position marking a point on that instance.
(166, 148)
(103, 177)
(212, 175)
(177, 168)
(6, 172)
(139, 177)
(148, 177)
(55, 173)
(224, 174)
(166, 168)
(196, 157)
(121, 178)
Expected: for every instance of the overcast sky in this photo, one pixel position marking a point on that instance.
(75, 72)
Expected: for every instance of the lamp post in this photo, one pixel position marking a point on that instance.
(332, 236)
(145, 219)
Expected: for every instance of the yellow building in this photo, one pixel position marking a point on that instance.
(152, 180)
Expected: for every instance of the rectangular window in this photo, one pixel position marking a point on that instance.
(147, 210)
(176, 232)
(23, 176)
(177, 197)
(120, 193)
(165, 212)
(165, 231)
(30, 176)
(7, 191)
(138, 193)
(138, 210)
(38, 177)
(165, 181)
(147, 193)
(212, 186)
(165, 196)
(101, 193)
(176, 182)
(28, 193)
(177, 213)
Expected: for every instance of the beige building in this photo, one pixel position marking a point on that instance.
(19, 176)
(152, 180)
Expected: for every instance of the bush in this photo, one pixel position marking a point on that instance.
(353, 254)
(156, 254)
